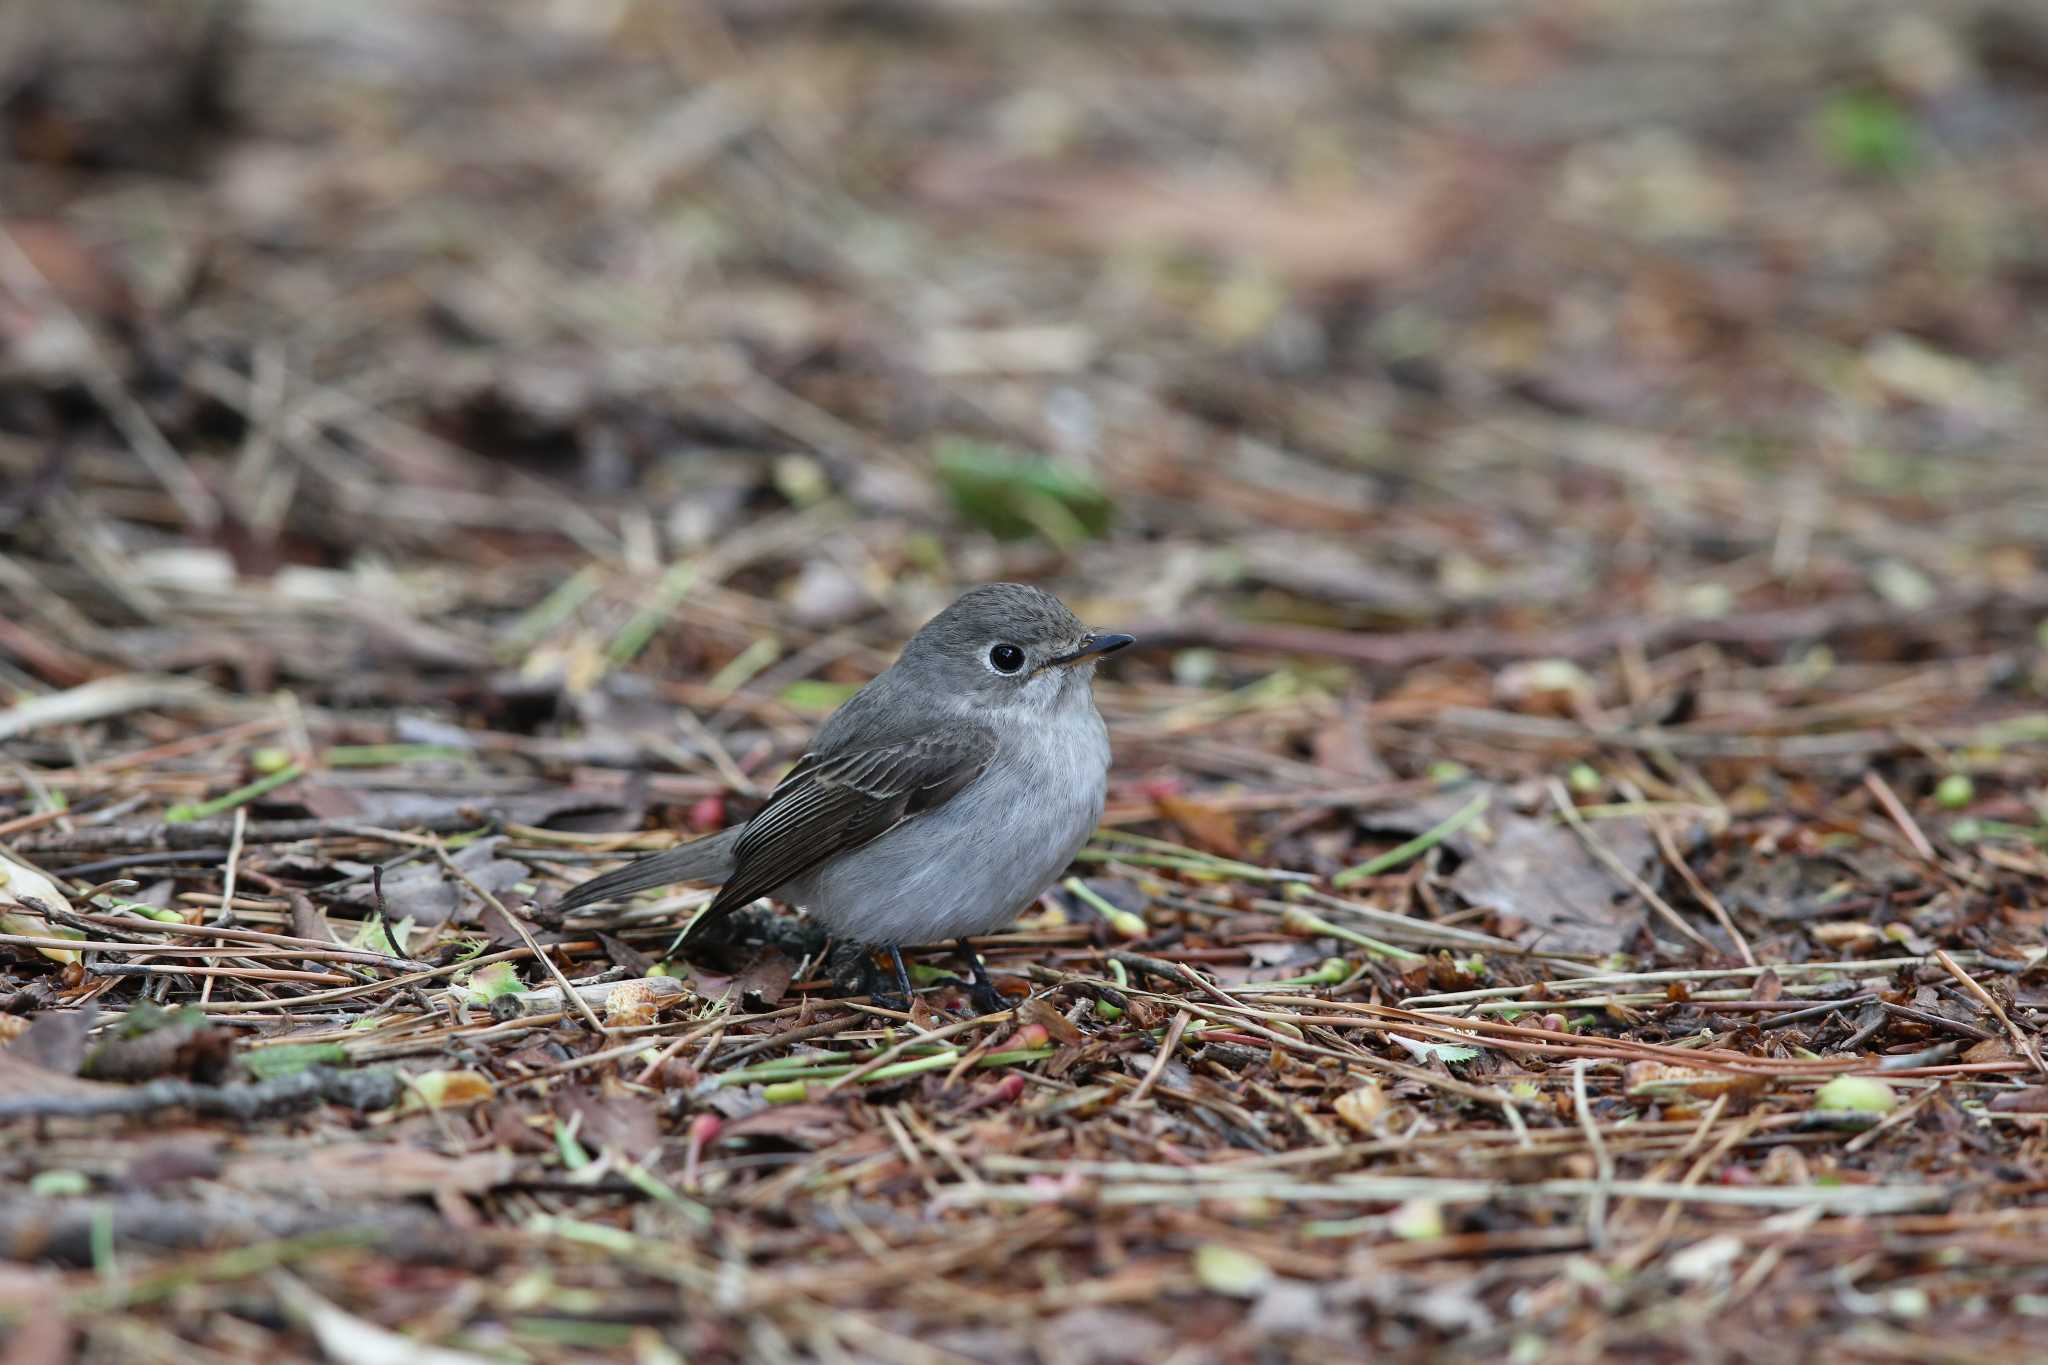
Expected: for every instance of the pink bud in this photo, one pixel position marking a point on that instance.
(1031, 1035)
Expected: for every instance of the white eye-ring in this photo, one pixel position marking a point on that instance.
(1005, 658)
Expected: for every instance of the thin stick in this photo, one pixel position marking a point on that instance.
(1420, 844)
(348, 992)
(2026, 1046)
(234, 934)
(890, 1054)
(195, 501)
(227, 886)
(209, 973)
(569, 992)
(1661, 831)
(177, 950)
(1603, 1160)
(1866, 967)
(1563, 801)
(1166, 1049)
(1901, 817)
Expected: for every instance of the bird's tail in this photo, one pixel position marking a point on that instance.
(705, 860)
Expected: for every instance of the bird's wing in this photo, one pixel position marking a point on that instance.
(708, 860)
(840, 801)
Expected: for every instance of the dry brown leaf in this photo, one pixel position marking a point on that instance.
(344, 1171)
(1206, 827)
(1314, 238)
(446, 1089)
(632, 1004)
(2032, 1100)
(1363, 1106)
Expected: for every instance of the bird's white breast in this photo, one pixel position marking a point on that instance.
(969, 866)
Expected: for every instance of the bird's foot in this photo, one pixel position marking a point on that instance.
(983, 995)
(879, 981)
(981, 992)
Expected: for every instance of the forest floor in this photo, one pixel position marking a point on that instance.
(1575, 879)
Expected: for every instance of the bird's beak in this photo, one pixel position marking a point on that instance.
(1093, 647)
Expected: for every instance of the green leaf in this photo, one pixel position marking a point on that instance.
(1955, 791)
(1225, 1269)
(1868, 132)
(815, 694)
(1418, 1220)
(149, 1017)
(1439, 1052)
(488, 983)
(1014, 494)
(185, 811)
(377, 937)
(289, 1059)
(1854, 1095)
(55, 1184)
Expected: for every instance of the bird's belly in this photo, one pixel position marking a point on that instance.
(964, 869)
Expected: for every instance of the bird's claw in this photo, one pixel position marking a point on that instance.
(983, 995)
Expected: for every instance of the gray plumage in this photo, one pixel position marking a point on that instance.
(939, 800)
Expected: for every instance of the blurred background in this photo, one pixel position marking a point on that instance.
(523, 421)
(359, 347)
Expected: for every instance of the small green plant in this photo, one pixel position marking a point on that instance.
(1869, 133)
(1014, 494)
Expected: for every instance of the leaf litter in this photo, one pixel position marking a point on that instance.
(1573, 877)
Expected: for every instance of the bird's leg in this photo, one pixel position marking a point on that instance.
(982, 992)
(877, 991)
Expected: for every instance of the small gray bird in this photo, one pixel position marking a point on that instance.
(936, 802)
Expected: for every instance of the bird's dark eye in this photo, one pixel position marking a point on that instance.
(1006, 658)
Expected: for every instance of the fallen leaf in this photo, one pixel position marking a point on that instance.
(621, 1122)
(809, 1126)
(1362, 1107)
(445, 1089)
(349, 1340)
(174, 1162)
(1543, 875)
(1417, 1220)
(345, 1172)
(2032, 1100)
(1664, 1080)
(1036, 1010)
(632, 1005)
(40, 1337)
(55, 1040)
(766, 979)
(1225, 1269)
(1206, 827)
(1374, 233)
(151, 1041)
(23, 886)
(1707, 1259)
(426, 894)
(1990, 1050)
(24, 1080)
